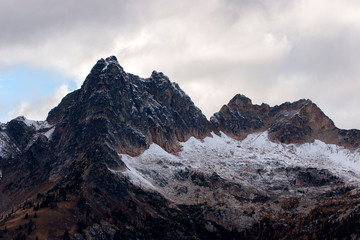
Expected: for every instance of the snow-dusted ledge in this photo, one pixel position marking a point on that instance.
(230, 158)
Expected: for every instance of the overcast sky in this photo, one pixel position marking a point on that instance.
(272, 51)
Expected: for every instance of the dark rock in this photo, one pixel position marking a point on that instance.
(19, 132)
(315, 177)
(240, 117)
(298, 122)
(136, 112)
(181, 190)
(350, 137)
(182, 175)
(199, 179)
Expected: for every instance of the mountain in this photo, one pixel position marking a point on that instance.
(125, 157)
(137, 111)
(297, 122)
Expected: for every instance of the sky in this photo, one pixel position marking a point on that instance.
(272, 51)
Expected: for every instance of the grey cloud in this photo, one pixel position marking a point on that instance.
(38, 109)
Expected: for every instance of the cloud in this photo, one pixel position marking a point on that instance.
(270, 50)
(37, 110)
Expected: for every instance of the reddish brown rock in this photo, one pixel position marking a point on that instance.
(297, 122)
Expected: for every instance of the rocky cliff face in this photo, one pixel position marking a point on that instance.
(24, 156)
(134, 112)
(240, 117)
(298, 122)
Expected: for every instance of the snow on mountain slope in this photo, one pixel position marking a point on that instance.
(37, 125)
(5, 143)
(4, 147)
(41, 128)
(254, 162)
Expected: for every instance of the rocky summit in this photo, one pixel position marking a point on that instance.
(133, 111)
(126, 157)
(297, 122)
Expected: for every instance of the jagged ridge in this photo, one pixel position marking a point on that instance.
(298, 122)
(135, 111)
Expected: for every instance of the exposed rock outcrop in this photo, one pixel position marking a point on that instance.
(298, 122)
(134, 112)
(240, 117)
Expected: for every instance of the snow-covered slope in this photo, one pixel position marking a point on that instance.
(37, 125)
(240, 181)
(254, 161)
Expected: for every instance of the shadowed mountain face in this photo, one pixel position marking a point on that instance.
(96, 157)
(134, 112)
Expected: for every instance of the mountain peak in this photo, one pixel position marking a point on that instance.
(103, 64)
(241, 98)
(105, 72)
(146, 110)
(112, 64)
(240, 101)
(297, 122)
(159, 76)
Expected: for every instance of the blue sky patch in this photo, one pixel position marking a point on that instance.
(28, 83)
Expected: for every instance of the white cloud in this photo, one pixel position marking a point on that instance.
(38, 110)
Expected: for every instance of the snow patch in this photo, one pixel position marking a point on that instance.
(106, 66)
(49, 133)
(255, 161)
(4, 142)
(108, 61)
(37, 125)
(135, 178)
